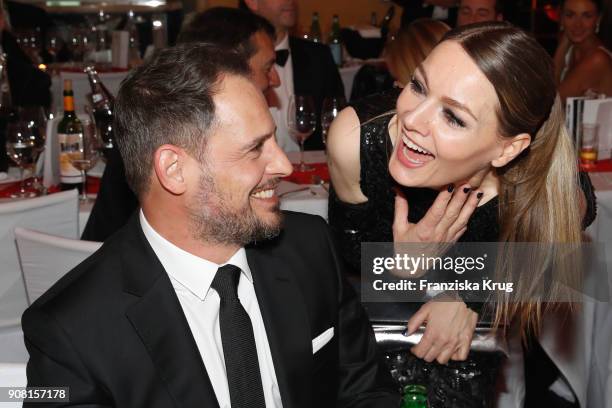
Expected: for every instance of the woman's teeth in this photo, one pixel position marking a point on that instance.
(414, 146)
(264, 193)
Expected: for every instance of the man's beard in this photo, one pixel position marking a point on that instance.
(215, 221)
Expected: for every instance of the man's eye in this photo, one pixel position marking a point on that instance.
(416, 86)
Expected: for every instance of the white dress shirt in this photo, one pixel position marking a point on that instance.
(283, 94)
(191, 277)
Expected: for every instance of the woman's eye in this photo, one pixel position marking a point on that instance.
(452, 119)
(416, 86)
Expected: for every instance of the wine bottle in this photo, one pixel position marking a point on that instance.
(315, 28)
(335, 42)
(102, 104)
(384, 26)
(70, 137)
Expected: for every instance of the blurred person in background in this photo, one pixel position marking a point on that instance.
(477, 11)
(410, 47)
(241, 31)
(29, 85)
(582, 61)
(304, 67)
(402, 53)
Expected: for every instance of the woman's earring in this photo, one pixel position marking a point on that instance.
(597, 26)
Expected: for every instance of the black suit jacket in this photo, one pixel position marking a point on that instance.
(113, 329)
(315, 74)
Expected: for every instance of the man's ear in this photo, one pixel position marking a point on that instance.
(251, 4)
(169, 164)
(512, 147)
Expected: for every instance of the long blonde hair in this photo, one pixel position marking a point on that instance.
(538, 197)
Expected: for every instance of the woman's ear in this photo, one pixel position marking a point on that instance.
(512, 147)
(169, 164)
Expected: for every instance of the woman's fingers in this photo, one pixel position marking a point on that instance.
(400, 220)
(466, 211)
(453, 209)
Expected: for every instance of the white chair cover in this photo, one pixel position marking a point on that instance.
(45, 258)
(54, 214)
(12, 375)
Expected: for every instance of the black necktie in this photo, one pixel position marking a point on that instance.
(241, 364)
(281, 57)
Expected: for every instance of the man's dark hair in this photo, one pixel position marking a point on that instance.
(226, 27)
(169, 100)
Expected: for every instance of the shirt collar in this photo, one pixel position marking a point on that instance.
(192, 272)
(284, 44)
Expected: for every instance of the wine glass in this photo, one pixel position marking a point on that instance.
(85, 156)
(301, 122)
(20, 147)
(331, 107)
(36, 121)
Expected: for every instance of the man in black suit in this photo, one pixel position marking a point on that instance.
(209, 296)
(305, 68)
(239, 30)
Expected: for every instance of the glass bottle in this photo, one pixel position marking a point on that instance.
(70, 137)
(315, 28)
(415, 396)
(335, 42)
(102, 108)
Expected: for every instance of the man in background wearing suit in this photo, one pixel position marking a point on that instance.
(304, 67)
(209, 296)
(230, 28)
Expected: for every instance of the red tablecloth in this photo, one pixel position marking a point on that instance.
(318, 174)
(93, 185)
(600, 166)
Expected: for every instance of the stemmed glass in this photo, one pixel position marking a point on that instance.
(85, 156)
(301, 122)
(22, 146)
(330, 109)
(36, 121)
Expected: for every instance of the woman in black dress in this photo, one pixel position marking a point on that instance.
(480, 114)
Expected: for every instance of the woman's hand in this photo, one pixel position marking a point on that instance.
(449, 329)
(445, 221)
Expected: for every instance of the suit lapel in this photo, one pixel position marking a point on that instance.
(286, 320)
(160, 323)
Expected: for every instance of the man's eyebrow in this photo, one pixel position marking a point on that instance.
(456, 104)
(258, 140)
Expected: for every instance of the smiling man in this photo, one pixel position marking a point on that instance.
(246, 33)
(478, 11)
(210, 296)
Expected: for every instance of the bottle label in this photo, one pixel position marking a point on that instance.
(71, 145)
(69, 103)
